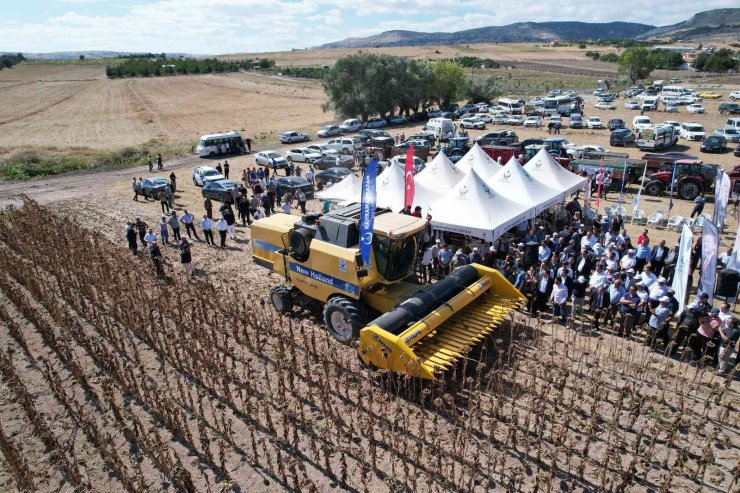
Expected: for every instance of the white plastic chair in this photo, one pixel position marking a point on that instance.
(675, 222)
(698, 222)
(589, 213)
(689, 222)
(609, 210)
(638, 216)
(620, 211)
(655, 218)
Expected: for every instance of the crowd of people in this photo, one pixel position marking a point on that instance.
(592, 275)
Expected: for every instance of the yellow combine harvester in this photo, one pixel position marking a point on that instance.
(420, 331)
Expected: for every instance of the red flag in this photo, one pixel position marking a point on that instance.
(409, 172)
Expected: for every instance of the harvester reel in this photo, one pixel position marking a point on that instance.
(342, 318)
(281, 299)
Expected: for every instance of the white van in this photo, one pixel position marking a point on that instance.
(440, 127)
(215, 144)
(511, 106)
(640, 122)
(657, 137)
(733, 123)
(350, 125)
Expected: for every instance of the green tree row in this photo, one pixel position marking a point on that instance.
(134, 67)
(719, 61)
(367, 84)
(7, 61)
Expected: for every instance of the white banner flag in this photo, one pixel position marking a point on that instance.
(709, 246)
(734, 261)
(721, 198)
(681, 275)
(636, 200)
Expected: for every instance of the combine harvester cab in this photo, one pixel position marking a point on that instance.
(428, 332)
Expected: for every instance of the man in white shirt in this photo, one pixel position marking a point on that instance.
(222, 226)
(544, 252)
(648, 278)
(150, 237)
(629, 260)
(611, 261)
(207, 226)
(559, 298)
(598, 278)
(565, 270)
(657, 290)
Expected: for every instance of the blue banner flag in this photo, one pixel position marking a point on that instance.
(367, 210)
(673, 183)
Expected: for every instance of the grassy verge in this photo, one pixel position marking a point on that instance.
(25, 163)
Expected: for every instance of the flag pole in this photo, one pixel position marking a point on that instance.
(636, 201)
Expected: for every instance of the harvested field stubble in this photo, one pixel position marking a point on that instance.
(112, 381)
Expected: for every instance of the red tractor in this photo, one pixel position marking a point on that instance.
(691, 179)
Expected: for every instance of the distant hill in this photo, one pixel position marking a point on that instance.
(711, 22)
(75, 55)
(520, 32)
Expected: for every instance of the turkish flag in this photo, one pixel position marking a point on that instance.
(409, 172)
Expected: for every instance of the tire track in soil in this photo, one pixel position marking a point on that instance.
(43, 109)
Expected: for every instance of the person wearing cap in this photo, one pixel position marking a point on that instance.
(559, 298)
(445, 257)
(475, 257)
(704, 334)
(629, 312)
(579, 295)
(628, 261)
(489, 259)
(435, 257)
(656, 291)
(673, 302)
(628, 278)
(729, 345)
(658, 257)
(690, 320)
(660, 317)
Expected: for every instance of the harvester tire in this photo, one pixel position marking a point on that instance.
(342, 319)
(281, 299)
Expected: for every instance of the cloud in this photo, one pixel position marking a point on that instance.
(232, 26)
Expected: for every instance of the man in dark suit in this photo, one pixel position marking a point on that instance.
(599, 304)
(584, 264)
(669, 267)
(658, 257)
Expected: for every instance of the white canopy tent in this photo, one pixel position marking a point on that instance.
(435, 180)
(390, 188)
(514, 182)
(472, 208)
(543, 168)
(348, 189)
(477, 159)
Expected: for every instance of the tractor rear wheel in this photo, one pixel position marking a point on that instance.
(342, 319)
(654, 188)
(281, 299)
(689, 190)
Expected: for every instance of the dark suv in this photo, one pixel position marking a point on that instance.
(729, 108)
(615, 123)
(498, 138)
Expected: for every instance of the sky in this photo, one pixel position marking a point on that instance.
(246, 26)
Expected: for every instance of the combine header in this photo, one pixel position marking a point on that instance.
(421, 332)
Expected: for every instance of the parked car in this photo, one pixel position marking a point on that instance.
(323, 149)
(729, 108)
(204, 174)
(334, 175)
(333, 161)
(671, 108)
(603, 105)
(472, 123)
(266, 158)
(400, 160)
(735, 95)
(433, 113)
(375, 123)
(291, 184)
(731, 134)
(714, 143)
(533, 121)
(498, 138)
(640, 122)
(499, 118)
(515, 120)
(692, 131)
(218, 190)
(302, 155)
(397, 120)
(366, 134)
(594, 122)
(621, 137)
(150, 187)
(737, 150)
(576, 120)
(710, 95)
(292, 137)
(695, 108)
(346, 145)
(606, 97)
(350, 125)
(329, 131)
(615, 123)
(484, 117)
(417, 143)
(632, 105)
